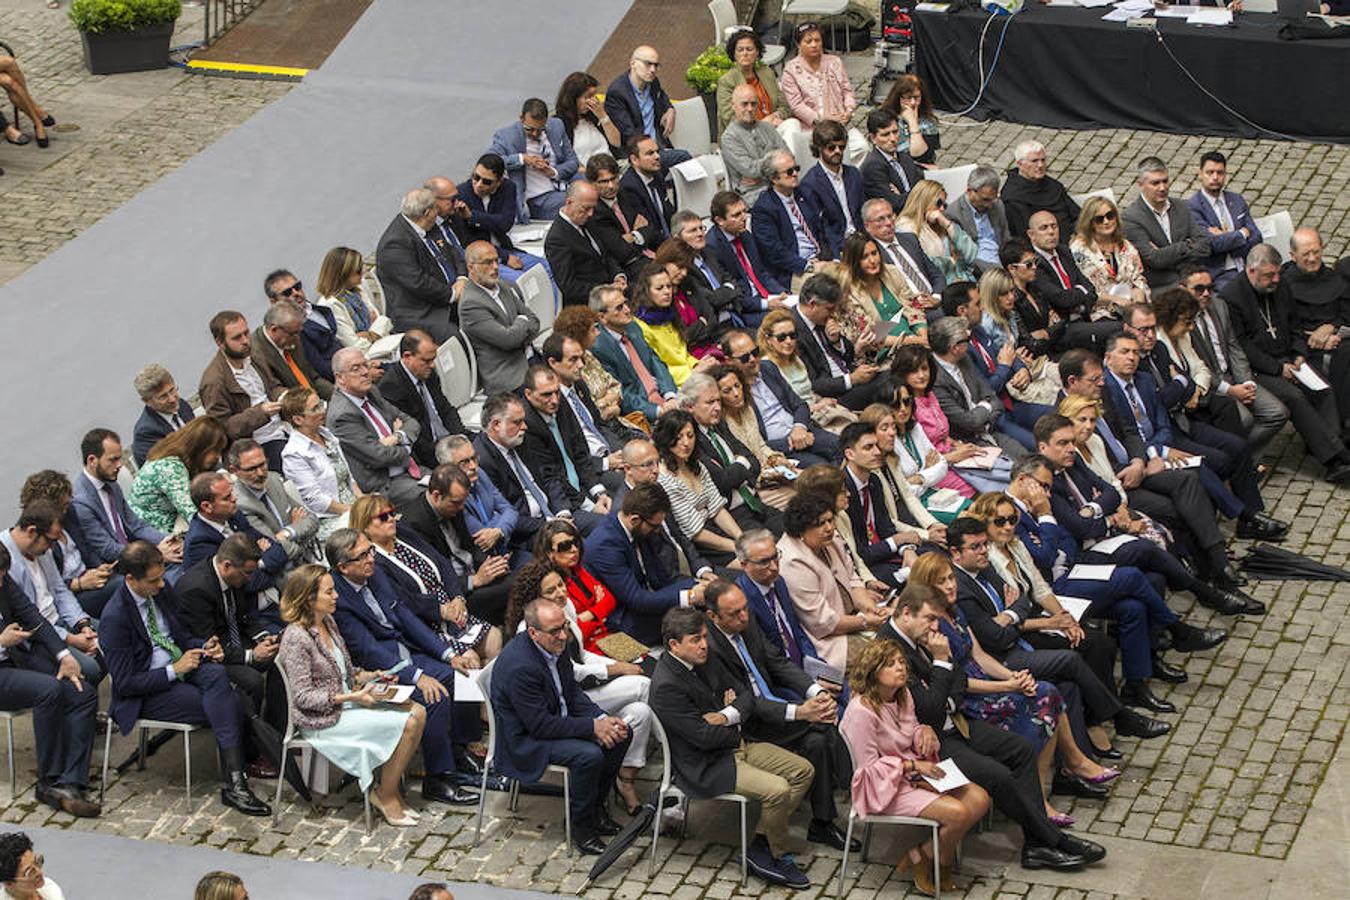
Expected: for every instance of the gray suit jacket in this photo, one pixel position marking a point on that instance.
(261, 518)
(1239, 368)
(500, 340)
(962, 213)
(968, 422)
(1162, 257)
(373, 464)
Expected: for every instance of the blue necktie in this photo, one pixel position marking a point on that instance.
(583, 414)
(1112, 442)
(528, 483)
(761, 686)
(572, 478)
(450, 276)
(998, 605)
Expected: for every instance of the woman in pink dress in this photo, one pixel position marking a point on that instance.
(889, 768)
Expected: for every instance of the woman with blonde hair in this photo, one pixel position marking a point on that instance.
(778, 340)
(881, 729)
(220, 885)
(343, 289)
(878, 308)
(1000, 327)
(335, 706)
(1108, 259)
(1014, 701)
(946, 243)
(161, 493)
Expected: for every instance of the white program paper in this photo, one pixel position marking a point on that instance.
(952, 777)
(692, 170)
(1176, 12)
(819, 669)
(1112, 544)
(467, 690)
(1074, 606)
(1210, 17)
(1309, 378)
(1085, 572)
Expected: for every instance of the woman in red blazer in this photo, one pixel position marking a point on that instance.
(559, 541)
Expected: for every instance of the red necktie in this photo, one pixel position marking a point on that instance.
(414, 469)
(872, 536)
(991, 366)
(1059, 269)
(749, 271)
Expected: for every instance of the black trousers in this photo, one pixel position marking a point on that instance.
(1315, 414)
(823, 748)
(1099, 703)
(1004, 765)
(489, 601)
(1196, 513)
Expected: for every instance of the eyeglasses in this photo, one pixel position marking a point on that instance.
(293, 289)
(389, 515)
(1003, 521)
(479, 179)
(791, 170)
(765, 561)
(976, 548)
(618, 306)
(258, 468)
(785, 336)
(363, 555)
(1202, 288)
(905, 401)
(648, 62)
(747, 356)
(1109, 216)
(567, 545)
(1022, 264)
(553, 632)
(939, 204)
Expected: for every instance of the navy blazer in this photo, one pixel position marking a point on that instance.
(487, 507)
(374, 645)
(725, 254)
(817, 185)
(1075, 301)
(319, 343)
(980, 610)
(633, 194)
(203, 540)
(612, 356)
(817, 366)
(1230, 242)
(496, 466)
(774, 380)
(759, 607)
(871, 551)
(426, 605)
(16, 608)
(509, 144)
(126, 650)
(1045, 541)
(529, 712)
(621, 105)
(491, 222)
(1114, 396)
(151, 426)
(641, 601)
(909, 242)
(879, 176)
(96, 538)
(774, 231)
(1066, 509)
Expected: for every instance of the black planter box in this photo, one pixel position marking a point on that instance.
(110, 52)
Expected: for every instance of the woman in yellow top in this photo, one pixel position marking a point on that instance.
(662, 325)
(745, 49)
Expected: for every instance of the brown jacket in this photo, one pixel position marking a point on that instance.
(268, 360)
(225, 400)
(313, 675)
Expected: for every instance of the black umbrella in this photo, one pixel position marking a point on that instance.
(641, 822)
(1265, 562)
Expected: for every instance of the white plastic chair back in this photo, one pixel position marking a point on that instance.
(537, 291)
(696, 194)
(1277, 229)
(691, 131)
(457, 370)
(953, 180)
(1109, 194)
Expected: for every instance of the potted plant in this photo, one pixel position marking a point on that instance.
(702, 76)
(125, 35)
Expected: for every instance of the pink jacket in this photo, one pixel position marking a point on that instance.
(811, 95)
(822, 592)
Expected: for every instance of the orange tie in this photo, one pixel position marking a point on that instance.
(295, 370)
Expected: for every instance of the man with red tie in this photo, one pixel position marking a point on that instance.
(1062, 284)
(738, 253)
(619, 225)
(376, 436)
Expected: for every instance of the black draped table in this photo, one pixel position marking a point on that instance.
(1063, 67)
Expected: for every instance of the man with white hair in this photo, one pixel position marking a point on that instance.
(1029, 189)
(1162, 231)
(786, 222)
(982, 214)
(1321, 297)
(422, 278)
(376, 436)
(578, 259)
(745, 141)
(165, 412)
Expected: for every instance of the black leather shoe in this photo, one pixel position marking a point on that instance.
(1072, 786)
(468, 763)
(1232, 603)
(1165, 671)
(1260, 527)
(437, 790)
(607, 827)
(69, 800)
(1338, 473)
(592, 846)
(1110, 753)
(1230, 579)
(236, 794)
(1131, 724)
(1137, 694)
(1189, 639)
(1089, 850)
(829, 834)
(1050, 858)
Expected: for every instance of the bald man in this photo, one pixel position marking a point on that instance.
(496, 321)
(637, 104)
(1321, 312)
(578, 260)
(746, 141)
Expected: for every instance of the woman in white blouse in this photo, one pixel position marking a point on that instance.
(696, 504)
(583, 116)
(313, 461)
(343, 289)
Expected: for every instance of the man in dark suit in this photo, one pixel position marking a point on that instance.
(903, 251)
(734, 469)
(644, 189)
(768, 597)
(276, 350)
(704, 720)
(499, 456)
(490, 198)
(737, 251)
(674, 551)
(604, 431)
(377, 437)
(789, 710)
(1060, 283)
(1225, 217)
(413, 386)
(886, 547)
(105, 522)
(543, 718)
(384, 633)
(786, 221)
(555, 449)
(637, 104)
(318, 336)
(578, 260)
(1162, 250)
(438, 517)
(834, 188)
(164, 412)
(968, 400)
(38, 673)
(623, 553)
(981, 215)
(998, 761)
(888, 172)
(620, 224)
(159, 671)
(830, 361)
(218, 517)
(419, 270)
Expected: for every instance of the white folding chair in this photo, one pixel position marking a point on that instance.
(799, 145)
(485, 684)
(820, 9)
(694, 194)
(143, 728)
(669, 789)
(869, 821)
(953, 180)
(8, 718)
(291, 740)
(691, 131)
(724, 19)
(1080, 199)
(458, 371)
(1277, 229)
(537, 291)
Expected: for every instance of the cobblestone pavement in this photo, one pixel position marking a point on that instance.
(1228, 789)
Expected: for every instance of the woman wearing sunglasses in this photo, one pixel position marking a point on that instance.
(1107, 259)
(777, 339)
(428, 578)
(945, 243)
(1042, 325)
(559, 542)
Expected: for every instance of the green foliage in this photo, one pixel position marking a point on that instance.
(122, 15)
(703, 72)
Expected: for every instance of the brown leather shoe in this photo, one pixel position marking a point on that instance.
(69, 800)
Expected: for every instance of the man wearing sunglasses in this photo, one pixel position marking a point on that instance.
(786, 222)
(318, 338)
(490, 198)
(539, 160)
(745, 141)
(835, 187)
(785, 418)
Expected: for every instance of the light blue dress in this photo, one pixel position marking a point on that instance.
(363, 738)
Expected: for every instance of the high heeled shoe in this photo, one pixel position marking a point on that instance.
(923, 878)
(48, 121)
(403, 821)
(43, 142)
